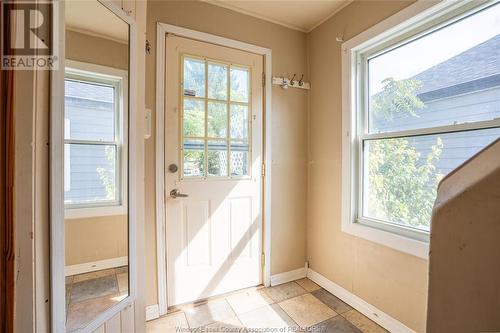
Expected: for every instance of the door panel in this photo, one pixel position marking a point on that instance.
(213, 129)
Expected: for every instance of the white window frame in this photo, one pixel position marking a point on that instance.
(119, 79)
(410, 23)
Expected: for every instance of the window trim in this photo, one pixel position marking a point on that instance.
(104, 74)
(408, 24)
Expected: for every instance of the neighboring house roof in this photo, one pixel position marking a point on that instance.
(476, 63)
(93, 92)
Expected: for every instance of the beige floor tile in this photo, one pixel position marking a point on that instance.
(122, 282)
(211, 312)
(285, 291)
(93, 275)
(363, 323)
(306, 310)
(337, 324)
(248, 300)
(80, 314)
(268, 318)
(333, 302)
(172, 323)
(308, 284)
(232, 325)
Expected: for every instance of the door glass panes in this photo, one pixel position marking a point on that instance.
(217, 81)
(239, 122)
(217, 158)
(194, 118)
(239, 85)
(194, 77)
(194, 158)
(215, 119)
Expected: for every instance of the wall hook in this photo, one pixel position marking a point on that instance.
(292, 80)
(301, 81)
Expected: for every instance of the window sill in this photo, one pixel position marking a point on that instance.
(89, 212)
(395, 241)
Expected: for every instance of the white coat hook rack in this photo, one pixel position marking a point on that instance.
(293, 82)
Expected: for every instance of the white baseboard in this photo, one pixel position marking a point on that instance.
(378, 316)
(95, 266)
(288, 276)
(152, 312)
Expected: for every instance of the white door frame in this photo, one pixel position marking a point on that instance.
(161, 31)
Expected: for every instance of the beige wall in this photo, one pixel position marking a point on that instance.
(289, 140)
(95, 50)
(394, 282)
(95, 238)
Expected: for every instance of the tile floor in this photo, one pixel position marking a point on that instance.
(301, 305)
(89, 294)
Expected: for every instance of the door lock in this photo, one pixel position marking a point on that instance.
(173, 168)
(175, 193)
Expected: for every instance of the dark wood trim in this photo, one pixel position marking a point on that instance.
(7, 168)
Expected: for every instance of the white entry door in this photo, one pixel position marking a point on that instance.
(213, 166)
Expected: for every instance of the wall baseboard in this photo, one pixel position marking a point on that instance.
(378, 316)
(95, 266)
(288, 276)
(152, 312)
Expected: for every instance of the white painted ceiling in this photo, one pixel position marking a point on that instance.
(303, 15)
(90, 16)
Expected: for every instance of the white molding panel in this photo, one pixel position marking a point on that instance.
(377, 315)
(288, 276)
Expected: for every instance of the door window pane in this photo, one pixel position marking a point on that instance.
(194, 118)
(240, 82)
(194, 158)
(239, 122)
(402, 174)
(239, 159)
(217, 120)
(194, 77)
(217, 158)
(449, 76)
(217, 81)
(89, 111)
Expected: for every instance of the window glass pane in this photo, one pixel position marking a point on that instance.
(239, 85)
(217, 120)
(194, 77)
(446, 77)
(401, 175)
(217, 81)
(194, 118)
(217, 158)
(89, 111)
(194, 158)
(90, 174)
(239, 122)
(239, 159)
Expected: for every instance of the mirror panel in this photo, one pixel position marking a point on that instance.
(95, 176)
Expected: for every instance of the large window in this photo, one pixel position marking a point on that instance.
(424, 101)
(93, 140)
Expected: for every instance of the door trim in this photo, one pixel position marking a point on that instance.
(161, 31)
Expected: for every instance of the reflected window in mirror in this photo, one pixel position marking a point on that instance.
(93, 143)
